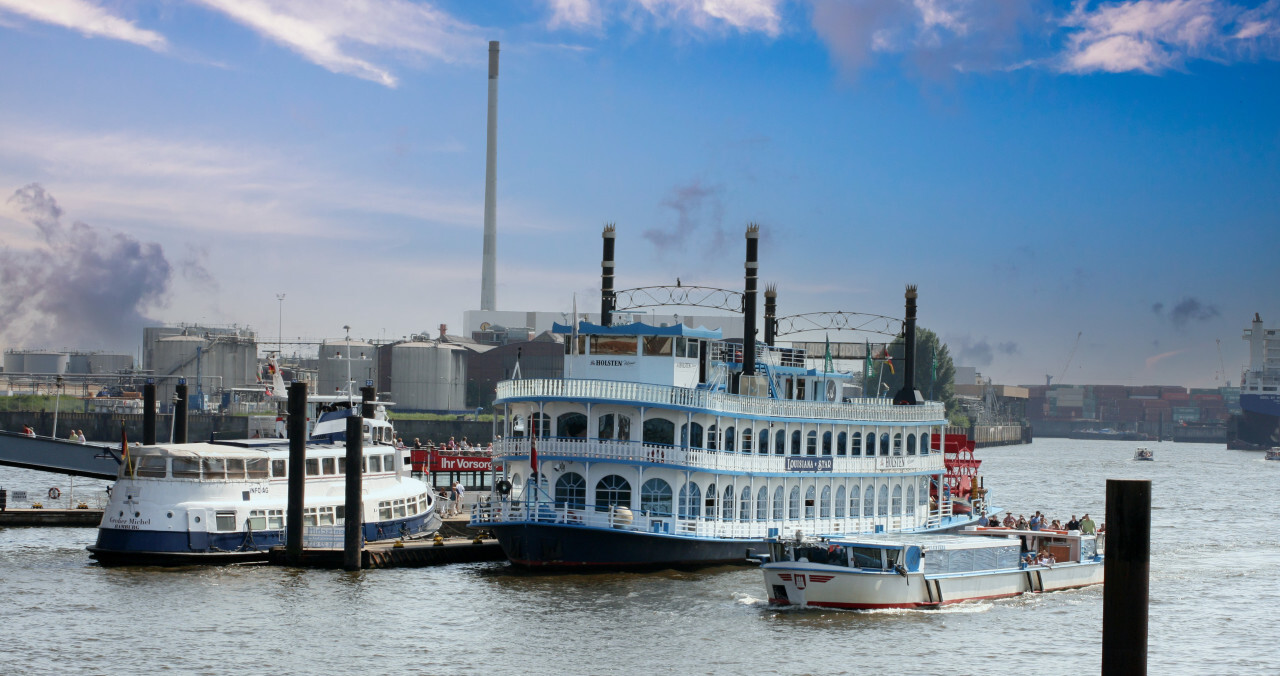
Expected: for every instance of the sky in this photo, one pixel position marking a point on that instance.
(1087, 190)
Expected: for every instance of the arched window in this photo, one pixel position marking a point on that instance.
(897, 443)
(897, 501)
(744, 504)
(531, 489)
(571, 491)
(840, 502)
(924, 444)
(540, 424)
(777, 504)
(762, 504)
(571, 426)
(691, 442)
(764, 441)
(842, 443)
(911, 500)
(911, 444)
(810, 503)
(747, 439)
(871, 443)
(869, 502)
(517, 487)
(856, 447)
(793, 506)
(726, 504)
(655, 498)
(612, 491)
(690, 501)
(728, 439)
(924, 494)
(709, 507)
(613, 426)
(882, 508)
(659, 431)
(855, 502)
(795, 442)
(780, 442)
(711, 438)
(826, 443)
(824, 506)
(884, 444)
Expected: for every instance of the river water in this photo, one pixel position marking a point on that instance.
(1213, 545)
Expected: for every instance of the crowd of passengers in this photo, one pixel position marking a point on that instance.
(1039, 521)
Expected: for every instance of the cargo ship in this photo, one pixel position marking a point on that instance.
(1258, 426)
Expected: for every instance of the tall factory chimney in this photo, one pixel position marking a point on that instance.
(909, 395)
(489, 273)
(749, 301)
(607, 297)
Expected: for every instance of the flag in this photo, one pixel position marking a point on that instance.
(870, 367)
(933, 374)
(124, 452)
(888, 361)
(533, 457)
(827, 364)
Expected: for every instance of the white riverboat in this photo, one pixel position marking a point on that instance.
(225, 501)
(928, 571)
(1144, 453)
(1272, 454)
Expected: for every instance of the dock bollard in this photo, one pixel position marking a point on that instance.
(438, 540)
(1127, 573)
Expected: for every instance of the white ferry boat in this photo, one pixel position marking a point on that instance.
(225, 501)
(668, 448)
(928, 571)
(1144, 453)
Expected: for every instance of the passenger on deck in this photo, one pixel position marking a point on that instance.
(26, 429)
(1022, 522)
(1029, 559)
(80, 436)
(72, 436)
(1056, 525)
(1009, 521)
(982, 520)
(1086, 526)
(1074, 523)
(417, 445)
(1045, 558)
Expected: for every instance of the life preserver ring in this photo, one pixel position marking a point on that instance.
(54, 493)
(504, 487)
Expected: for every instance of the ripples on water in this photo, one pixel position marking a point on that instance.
(1213, 547)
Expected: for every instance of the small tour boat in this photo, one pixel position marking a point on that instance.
(1273, 454)
(928, 570)
(1144, 453)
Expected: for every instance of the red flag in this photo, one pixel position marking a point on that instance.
(533, 457)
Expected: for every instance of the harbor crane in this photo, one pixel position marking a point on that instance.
(1048, 379)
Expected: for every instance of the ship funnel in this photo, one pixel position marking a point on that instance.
(770, 313)
(607, 299)
(749, 302)
(909, 395)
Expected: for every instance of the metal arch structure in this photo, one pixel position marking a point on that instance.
(840, 321)
(689, 296)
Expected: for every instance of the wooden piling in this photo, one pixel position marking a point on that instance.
(297, 430)
(1127, 570)
(354, 510)
(149, 413)
(180, 413)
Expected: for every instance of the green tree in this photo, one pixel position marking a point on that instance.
(935, 372)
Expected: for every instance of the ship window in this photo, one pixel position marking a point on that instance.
(746, 439)
(389, 462)
(869, 503)
(258, 519)
(541, 423)
(342, 464)
(658, 346)
(696, 440)
(186, 468)
(897, 501)
(855, 501)
(374, 463)
(777, 504)
(326, 516)
(709, 506)
(764, 441)
(384, 510)
(694, 346)
(809, 505)
(883, 506)
(328, 465)
(855, 445)
(235, 468)
(280, 468)
(571, 491)
(865, 557)
(824, 507)
(313, 466)
(624, 428)
(711, 438)
(726, 504)
(613, 345)
(744, 504)
(399, 508)
(682, 346)
(571, 426)
(655, 498)
(762, 504)
(826, 443)
(911, 500)
(897, 443)
(795, 442)
(341, 512)
(884, 444)
(728, 439)
(517, 488)
(780, 442)
(811, 448)
(659, 431)
(911, 444)
(924, 444)
(690, 500)
(871, 443)
(151, 466)
(842, 443)
(793, 505)
(224, 521)
(800, 389)
(256, 468)
(213, 468)
(839, 504)
(611, 491)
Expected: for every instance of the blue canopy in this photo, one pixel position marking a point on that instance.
(638, 329)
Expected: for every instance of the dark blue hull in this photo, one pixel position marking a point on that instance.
(562, 546)
(168, 548)
(1259, 425)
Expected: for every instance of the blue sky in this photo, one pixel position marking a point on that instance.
(1040, 169)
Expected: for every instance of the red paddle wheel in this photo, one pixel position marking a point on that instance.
(961, 478)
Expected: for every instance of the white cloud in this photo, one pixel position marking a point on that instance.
(709, 16)
(330, 32)
(1151, 36)
(87, 18)
(575, 14)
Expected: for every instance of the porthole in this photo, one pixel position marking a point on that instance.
(121, 512)
(197, 519)
(137, 515)
(170, 515)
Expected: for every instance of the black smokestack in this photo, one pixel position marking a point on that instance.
(749, 302)
(908, 395)
(770, 313)
(607, 299)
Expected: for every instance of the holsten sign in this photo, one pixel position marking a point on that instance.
(460, 463)
(801, 464)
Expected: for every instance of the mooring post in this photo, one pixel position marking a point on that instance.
(353, 521)
(296, 428)
(180, 413)
(367, 397)
(1127, 571)
(149, 413)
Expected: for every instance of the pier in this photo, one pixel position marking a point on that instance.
(61, 518)
(410, 554)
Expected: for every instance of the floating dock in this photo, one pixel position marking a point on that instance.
(412, 554)
(76, 518)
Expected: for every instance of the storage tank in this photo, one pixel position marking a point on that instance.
(45, 362)
(110, 363)
(333, 372)
(14, 362)
(429, 376)
(229, 361)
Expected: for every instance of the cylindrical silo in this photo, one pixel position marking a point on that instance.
(45, 362)
(15, 362)
(428, 376)
(333, 371)
(78, 362)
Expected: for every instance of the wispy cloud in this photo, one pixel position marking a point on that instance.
(1156, 359)
(334, 33)
(1187, 311)
(1151, 36)
(705, 16)
(86, 17)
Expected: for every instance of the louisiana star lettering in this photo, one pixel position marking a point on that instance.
(810, 464)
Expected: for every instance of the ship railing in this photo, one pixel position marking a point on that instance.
(863, 409)
(726, 461)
